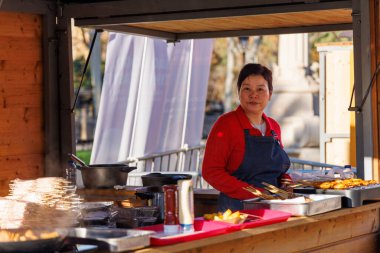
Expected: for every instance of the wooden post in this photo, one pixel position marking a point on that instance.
(375, 51)
(66, 90)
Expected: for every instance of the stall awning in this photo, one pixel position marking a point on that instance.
(175, 20)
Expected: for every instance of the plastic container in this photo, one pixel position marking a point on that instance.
(171, 222)
(186, 205)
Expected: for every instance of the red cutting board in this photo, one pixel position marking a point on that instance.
(204, 229)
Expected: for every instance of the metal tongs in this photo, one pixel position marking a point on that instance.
(282, 194)
(289, 183)
(258, 193)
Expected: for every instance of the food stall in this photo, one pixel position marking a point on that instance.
(49, 131)
(345, 229)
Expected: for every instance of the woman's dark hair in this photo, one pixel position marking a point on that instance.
(256, 70)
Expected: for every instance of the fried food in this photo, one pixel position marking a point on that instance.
(227, 216)
(324, 185)
(13, 236)
(341, 184)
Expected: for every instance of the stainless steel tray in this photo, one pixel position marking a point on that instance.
(112, 240)
(352, 197)
(321, 204)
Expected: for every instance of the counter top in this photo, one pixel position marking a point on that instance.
(343, 230)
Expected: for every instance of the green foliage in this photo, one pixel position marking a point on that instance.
(326, 37)
(78, 65)
(84, 155)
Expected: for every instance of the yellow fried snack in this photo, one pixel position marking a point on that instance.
(347, 183)
(14, 236)
(339, 186)
(325, 185)
(227, 216)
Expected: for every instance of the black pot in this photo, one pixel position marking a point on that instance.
(159, 179)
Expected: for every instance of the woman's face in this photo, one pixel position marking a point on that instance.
(254, 94)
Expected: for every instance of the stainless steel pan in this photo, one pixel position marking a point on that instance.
(103, 175)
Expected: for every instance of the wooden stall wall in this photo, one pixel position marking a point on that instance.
(375, 49)
(21, 100)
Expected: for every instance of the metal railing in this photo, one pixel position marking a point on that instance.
(186, 160)
(189, 160)
(298, 164)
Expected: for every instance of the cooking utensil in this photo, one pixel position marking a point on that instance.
(103, 175)
(352, 197)
(110, 240)
(320, 204)
(160, 179)
(258, 193)
(78, 160)
(33, 246)
(280, 192)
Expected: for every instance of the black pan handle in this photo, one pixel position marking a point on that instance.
(127, 169)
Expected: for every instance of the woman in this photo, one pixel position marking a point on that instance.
(244, 146)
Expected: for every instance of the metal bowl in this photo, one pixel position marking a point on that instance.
(105, 175)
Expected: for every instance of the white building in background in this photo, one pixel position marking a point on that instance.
(292, 103)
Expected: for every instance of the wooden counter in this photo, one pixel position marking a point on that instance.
(345, 230)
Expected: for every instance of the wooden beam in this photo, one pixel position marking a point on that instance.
(29, 6)
(66, 91)
(196, 7)
(375, 50)
(51, 97)
(268, 31)
(127, 18)
(362, 69)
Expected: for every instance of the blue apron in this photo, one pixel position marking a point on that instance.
(264, 161)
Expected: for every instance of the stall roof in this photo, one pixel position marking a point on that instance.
(175, 20)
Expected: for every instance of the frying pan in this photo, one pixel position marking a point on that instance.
(160, 179)
(33, 246)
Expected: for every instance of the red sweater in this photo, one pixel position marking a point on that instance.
(225, 151)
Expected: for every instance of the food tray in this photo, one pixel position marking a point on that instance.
(205, 229)
(260, 217)
(111, 240)
(321, 204)
(202, 229)
(352, 197)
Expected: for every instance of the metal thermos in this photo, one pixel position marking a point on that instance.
(186, 205)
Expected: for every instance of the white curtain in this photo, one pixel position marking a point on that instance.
(144, 107)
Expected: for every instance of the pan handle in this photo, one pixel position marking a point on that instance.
(77, 159)
(127, 169)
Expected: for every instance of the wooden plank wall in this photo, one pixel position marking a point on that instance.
(21, 102)
(375, 49)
